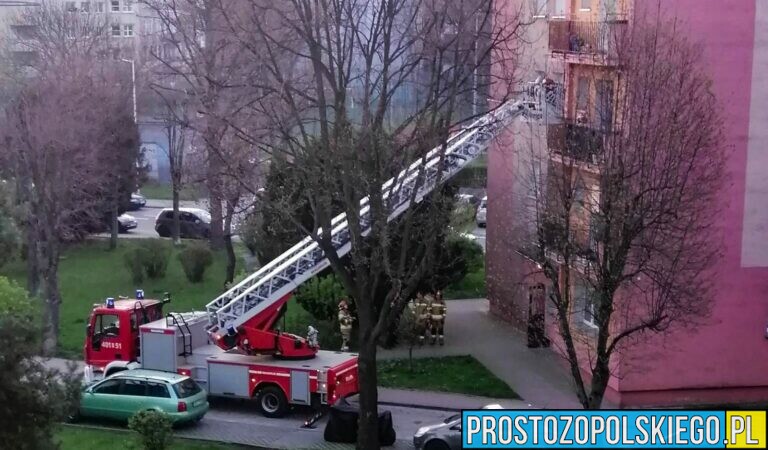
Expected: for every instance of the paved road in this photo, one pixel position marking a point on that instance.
(479, 234)
(238, 422)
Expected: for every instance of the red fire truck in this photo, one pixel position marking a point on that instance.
(233, 348)
(132, 333)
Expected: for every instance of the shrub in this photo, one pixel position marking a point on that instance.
(133, 260)
(320, 296)
(195, 259)
(155, 256)
(154, 428)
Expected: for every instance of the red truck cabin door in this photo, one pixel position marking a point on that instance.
(110, 337)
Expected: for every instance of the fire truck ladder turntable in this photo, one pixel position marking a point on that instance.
(245, 314)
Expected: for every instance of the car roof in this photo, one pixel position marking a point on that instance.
(184, 209)
(129, 303)
(150, 375)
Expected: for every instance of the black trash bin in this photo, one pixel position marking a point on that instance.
(342, 424)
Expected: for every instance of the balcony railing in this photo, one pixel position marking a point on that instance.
(575, 141)
(583, 37)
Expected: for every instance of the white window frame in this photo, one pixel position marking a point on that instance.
(128, 30)
(98, 7)
(586, 300)
(115, 27)
(583, 8)
(540, 8)
(127, 6)
(114, 5)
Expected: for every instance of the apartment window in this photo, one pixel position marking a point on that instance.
(127, 6)
(114, 6)
(128, 30)
(70, 6)
(85, 7)
(582, 95)
(559, 10)
(115, 29)
(539, 8)
(586, 4)
(98, 7)
(604, 104)
(585, 296)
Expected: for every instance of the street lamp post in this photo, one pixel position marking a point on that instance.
(133, 82)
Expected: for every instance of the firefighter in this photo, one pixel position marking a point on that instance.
(437, 318)
(345, 324)
(422, 316)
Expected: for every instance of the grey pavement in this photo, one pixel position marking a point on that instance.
(539, 376)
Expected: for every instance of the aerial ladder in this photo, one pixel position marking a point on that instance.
(246, 314)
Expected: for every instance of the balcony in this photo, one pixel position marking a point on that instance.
(586, 42)
(577, 142)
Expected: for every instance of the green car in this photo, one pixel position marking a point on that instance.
(124, 394)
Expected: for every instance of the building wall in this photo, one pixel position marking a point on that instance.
(731, 351)
(725, 359)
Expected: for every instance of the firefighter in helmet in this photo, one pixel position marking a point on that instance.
(345, 324)
(437, 317)
(422, 316)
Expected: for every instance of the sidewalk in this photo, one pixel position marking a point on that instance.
(539, 376)
(442, 400)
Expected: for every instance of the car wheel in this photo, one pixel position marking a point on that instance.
(436, 445)
(272, 402)
(163, 231)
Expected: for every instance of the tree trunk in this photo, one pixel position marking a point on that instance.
(368, 426)
(33, 264)
(176, 229)
(231, 259)
(410, 358)
(51, 310)
(113, 227)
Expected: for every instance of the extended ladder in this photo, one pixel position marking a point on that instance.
(284, 274)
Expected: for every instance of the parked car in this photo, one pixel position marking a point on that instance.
(126, 222)
(442, 436)
(194, 223)
(481, 212)
(124, 394)
(137, 202)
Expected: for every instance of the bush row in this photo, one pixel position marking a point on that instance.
(150, 259)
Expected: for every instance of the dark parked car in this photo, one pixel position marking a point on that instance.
(342, 424)
(126, 222)
(194, 223)
(137, 202)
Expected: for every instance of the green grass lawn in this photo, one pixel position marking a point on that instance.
(81, 438)
(89, 273)
(162, 191)
(460, 374)
(471, 286)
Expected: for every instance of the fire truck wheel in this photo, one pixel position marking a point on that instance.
(272, 401)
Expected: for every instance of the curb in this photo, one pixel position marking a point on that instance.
(427, 407)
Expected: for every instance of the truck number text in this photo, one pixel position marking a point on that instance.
(114, 345)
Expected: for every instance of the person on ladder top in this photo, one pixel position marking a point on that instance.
(345, 324)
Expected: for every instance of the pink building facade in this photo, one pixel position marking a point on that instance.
(725, 360)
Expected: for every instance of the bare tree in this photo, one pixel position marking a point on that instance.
(63, 133)
(625, 203)
(349, 94)
(201, 63)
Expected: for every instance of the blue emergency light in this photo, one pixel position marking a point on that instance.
(139, 294)
(110, 302)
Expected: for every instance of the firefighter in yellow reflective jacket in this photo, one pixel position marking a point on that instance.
(345, 324)
(437, 318)
(422, 316)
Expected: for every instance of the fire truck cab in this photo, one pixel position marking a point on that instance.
(112, 333)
